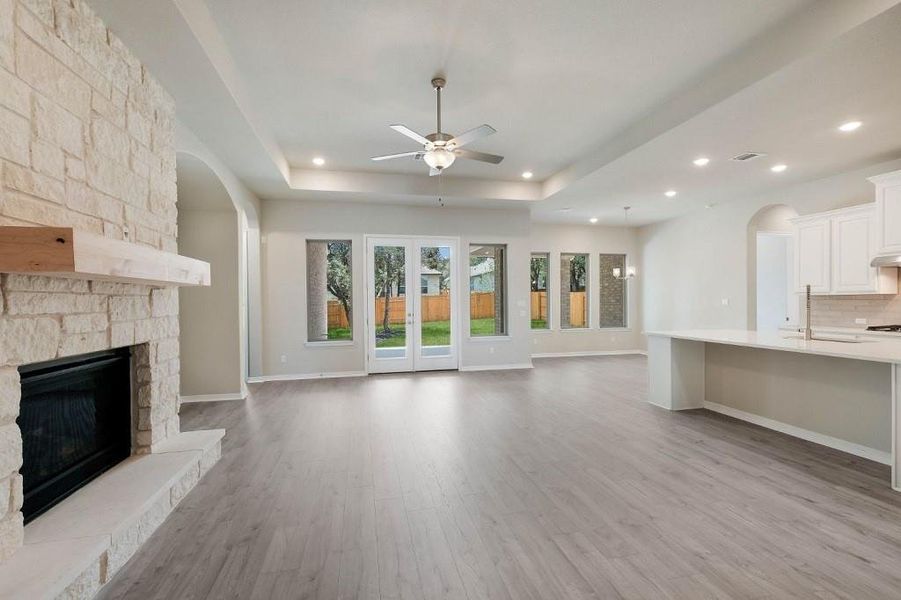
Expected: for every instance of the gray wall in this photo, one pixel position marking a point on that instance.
(841, 398)
(591, 240)
(210, 332)
(286, 225)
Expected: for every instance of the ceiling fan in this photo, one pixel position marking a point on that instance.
(441, 149)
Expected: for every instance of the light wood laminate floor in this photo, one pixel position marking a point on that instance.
(559, 482)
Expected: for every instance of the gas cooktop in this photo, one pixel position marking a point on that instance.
(884, 328)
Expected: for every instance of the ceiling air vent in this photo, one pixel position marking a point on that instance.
(748, 156)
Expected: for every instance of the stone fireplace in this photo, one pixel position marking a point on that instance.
(86, 141)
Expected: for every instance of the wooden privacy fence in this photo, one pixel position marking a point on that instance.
(539, 305)
(437, 308)
(434, 308)
(577, 309)
(577, 313)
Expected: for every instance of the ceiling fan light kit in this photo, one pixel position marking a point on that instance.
(440, 149)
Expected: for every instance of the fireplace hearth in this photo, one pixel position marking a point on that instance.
(75, 418)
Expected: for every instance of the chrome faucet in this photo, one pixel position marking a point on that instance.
(808, 332)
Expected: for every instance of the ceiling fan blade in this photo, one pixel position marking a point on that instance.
(400, 155)
(472, 135)
(482, 156)
(403, 129)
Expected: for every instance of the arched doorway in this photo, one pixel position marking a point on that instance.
(771, 299)
(209, 318)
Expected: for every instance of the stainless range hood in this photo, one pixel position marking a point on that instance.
(889, 260)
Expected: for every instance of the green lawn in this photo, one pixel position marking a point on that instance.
(339, 333)
(539, 324)
(434, 333)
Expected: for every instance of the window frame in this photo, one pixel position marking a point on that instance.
(503, 286)
(549, 312)
(588, 324)
(626, 312)
(307, 290)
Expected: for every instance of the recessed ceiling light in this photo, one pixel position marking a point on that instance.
(318, 161)
(593, 220)
(778, 168)
(849, 126)
(526, 174)
(701, 162)
(669, 193)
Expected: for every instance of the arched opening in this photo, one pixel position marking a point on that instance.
(209, 318)
(771, 299)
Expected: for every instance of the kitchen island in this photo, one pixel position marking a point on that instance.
(843, 394)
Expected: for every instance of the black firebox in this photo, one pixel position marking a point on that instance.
(75, 418)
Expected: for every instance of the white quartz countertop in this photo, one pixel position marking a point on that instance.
(869, 348)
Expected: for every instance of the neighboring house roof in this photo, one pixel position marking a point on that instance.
(481, 268)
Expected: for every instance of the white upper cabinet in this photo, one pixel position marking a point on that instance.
(813, 238)
(834, 250)
(888, 212)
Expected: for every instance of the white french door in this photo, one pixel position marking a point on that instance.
(411, 299)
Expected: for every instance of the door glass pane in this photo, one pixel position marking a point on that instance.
(573, 291)
(435, 305)
(390, 302)
(538, 275)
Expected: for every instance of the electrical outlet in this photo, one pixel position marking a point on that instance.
(284, 358)
(491, 350)
(724, 302)
(860, 321)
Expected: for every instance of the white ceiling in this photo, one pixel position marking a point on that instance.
(332, 76)
(605, 101)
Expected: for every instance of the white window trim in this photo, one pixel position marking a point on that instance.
(330, 343)
(491, 338)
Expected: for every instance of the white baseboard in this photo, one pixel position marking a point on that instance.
(299, 376)
(212, 397)
(805, 434)
(587, 353)
(497, 367)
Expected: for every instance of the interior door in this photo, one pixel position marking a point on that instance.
(412, 304)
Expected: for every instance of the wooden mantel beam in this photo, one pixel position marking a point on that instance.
(65, 252)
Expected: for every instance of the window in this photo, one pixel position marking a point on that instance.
(487, 289)
(574, 291)
(538, 280)
(423, 286)
(612, 291)
(329, 291)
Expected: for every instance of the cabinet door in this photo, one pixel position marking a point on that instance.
(812, 257)
(854, 243)
(888, 202)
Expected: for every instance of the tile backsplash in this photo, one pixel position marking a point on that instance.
(841, 311)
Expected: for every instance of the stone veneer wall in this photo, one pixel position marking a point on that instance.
(86, 140)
